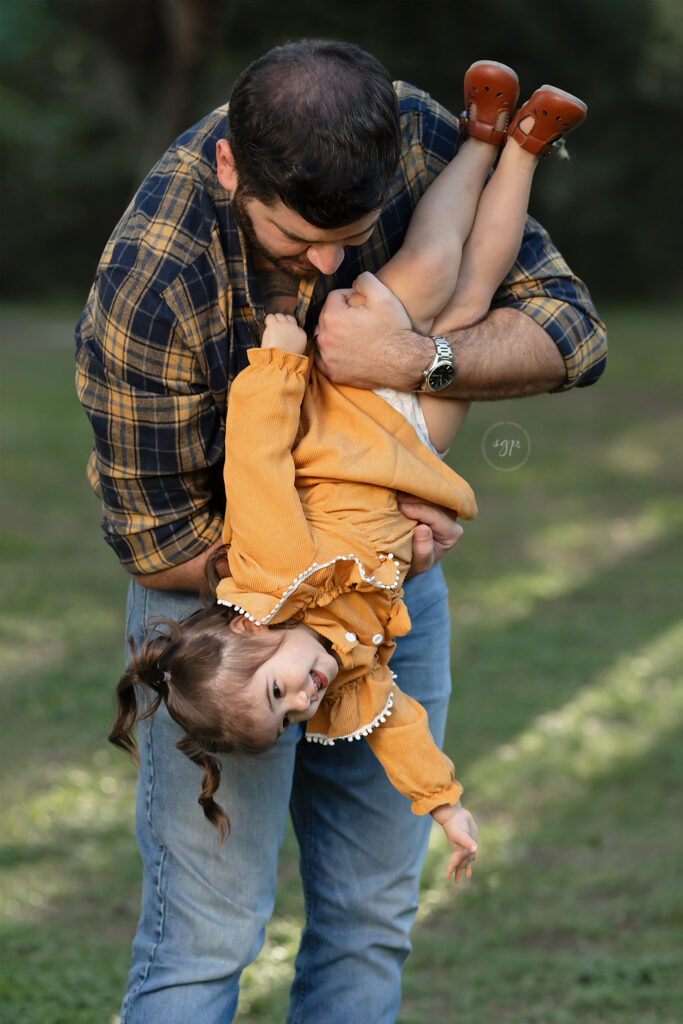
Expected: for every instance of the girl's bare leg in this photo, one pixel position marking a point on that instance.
(488, 255)
(489, 252)
(444, 418)
(494, 242)
(546, 117)
(424, 271)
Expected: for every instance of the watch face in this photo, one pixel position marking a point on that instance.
(440, 377)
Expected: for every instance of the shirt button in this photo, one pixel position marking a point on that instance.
(377, 638)
(351, 637)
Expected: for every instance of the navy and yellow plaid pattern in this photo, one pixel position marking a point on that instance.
(175, 307)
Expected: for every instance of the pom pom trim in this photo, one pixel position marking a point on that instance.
(326, 741)
(316, 567)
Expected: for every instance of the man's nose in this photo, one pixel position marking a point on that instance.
(326, 257)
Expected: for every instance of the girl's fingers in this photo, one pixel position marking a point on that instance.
(459, 863)
(466, 840)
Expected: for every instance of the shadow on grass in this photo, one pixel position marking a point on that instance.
(572, 911)
(580, 920)
(505, 678)
(522, 672)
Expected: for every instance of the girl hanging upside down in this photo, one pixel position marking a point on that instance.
(303, 626)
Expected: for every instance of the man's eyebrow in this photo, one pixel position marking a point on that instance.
(291, 235)
(308, 241)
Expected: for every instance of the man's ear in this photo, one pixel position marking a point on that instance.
(225, 165)
(242, 626)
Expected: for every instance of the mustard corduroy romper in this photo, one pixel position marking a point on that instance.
(314, 533)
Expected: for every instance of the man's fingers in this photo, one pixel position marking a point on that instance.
(335, 303)
(423, 535)
(440, 519)
(337, 299)
(446, 530)
(423, 550)
(366, 284)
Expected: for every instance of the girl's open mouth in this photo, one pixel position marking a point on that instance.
(320, 680)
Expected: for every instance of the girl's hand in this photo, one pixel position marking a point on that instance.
(283, 332)
(461, 832)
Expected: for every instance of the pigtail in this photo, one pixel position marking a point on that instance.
(145, 669)
(127, 706)
(210, 783)
(197, 668)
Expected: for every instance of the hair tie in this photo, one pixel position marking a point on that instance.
(160, 681)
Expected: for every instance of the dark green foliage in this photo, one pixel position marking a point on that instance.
(92, 94)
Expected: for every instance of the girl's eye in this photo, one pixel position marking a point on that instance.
(276, 691)
(285, 722)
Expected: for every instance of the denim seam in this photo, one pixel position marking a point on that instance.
(159, 869)
(308, 904)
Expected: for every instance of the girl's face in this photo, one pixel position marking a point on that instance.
(289, 686)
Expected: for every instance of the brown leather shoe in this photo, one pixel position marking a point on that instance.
(491, 89)
(555, 113)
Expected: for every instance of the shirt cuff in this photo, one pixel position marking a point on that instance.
(166, 546)
(580, 340)
(450, 796)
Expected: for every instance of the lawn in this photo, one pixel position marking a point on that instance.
(565, 720)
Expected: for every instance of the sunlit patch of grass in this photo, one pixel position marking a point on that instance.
(54, 846)
(561, 557)
(618, 719)
(565, 721)
(265, 983)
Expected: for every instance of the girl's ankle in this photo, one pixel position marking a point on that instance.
(513, 155)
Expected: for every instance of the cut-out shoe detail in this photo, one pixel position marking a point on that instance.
(555, 113)
(491, 94)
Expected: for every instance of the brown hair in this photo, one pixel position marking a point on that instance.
(197, 668)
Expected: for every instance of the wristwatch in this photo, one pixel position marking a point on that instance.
(441, 371)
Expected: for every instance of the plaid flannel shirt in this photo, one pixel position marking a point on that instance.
(175, 306)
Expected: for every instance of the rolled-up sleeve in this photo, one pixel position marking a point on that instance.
(158, 432)
(542, 286)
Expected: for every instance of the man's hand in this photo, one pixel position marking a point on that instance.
(372, 344)
(437, 533)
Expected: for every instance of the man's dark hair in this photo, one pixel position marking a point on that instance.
(316, 124)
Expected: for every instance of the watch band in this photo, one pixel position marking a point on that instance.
(441, 370)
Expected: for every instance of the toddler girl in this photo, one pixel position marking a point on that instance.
(317, 549)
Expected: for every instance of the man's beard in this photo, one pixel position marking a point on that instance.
(296, 267)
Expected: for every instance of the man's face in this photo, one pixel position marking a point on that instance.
(284, 239)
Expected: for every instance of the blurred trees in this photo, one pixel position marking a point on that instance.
(94, 90)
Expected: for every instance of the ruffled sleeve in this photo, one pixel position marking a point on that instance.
(414, 764)
(374, 708)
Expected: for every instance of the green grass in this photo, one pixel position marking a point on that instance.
(565, 722)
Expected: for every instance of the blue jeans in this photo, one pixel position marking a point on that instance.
(205, 907)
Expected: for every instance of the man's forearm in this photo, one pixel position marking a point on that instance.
(506, 355)
(189, 576)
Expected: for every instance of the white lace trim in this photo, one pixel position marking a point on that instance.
(320, 737)
(309, 572)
